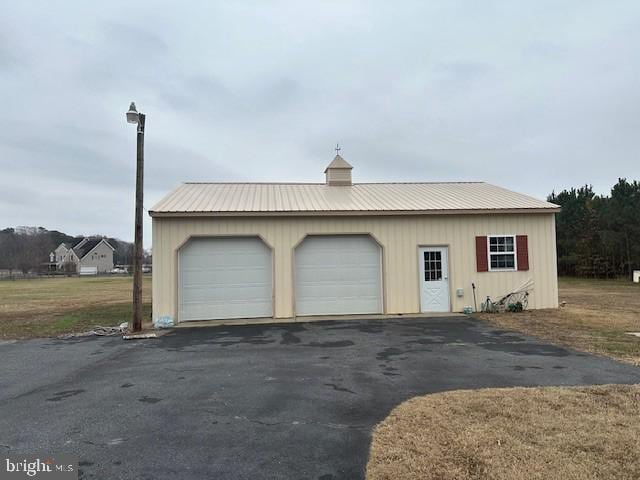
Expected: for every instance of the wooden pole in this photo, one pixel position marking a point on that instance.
(137, 247)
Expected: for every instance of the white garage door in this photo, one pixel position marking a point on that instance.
(338, 274)
(225, 278)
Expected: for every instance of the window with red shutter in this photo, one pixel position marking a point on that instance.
(502, 253)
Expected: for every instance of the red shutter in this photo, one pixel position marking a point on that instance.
(482, 261)
(522, 249)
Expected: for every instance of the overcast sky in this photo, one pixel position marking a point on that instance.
(533, 96)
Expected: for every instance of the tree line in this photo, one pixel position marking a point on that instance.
(29, 252)
(598, 235)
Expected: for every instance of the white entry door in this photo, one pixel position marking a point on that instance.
(225, 277)
(434, 279)
(338, 275)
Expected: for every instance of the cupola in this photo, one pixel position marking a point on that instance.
(338, 172)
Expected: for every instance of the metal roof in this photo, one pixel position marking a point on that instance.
(245, 199)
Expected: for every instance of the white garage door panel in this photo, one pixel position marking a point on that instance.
(225, 278)
(338, 274)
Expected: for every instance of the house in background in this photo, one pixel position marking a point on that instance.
(89, 255)
(288, 250)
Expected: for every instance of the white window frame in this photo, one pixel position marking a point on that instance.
(515, 253)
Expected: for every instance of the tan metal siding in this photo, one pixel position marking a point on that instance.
(399, 237)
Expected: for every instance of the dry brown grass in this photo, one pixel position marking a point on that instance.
(597, 316)
(512, 433)
(51, 306)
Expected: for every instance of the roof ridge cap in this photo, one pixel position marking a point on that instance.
(355, 183)
(252, 183)
(422, 183)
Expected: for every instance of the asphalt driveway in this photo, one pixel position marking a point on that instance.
(287, 401)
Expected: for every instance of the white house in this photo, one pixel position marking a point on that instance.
(94, 254)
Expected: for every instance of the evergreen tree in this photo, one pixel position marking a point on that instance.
(598, 236)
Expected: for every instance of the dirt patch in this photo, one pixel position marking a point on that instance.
(596, 318)
(514, 433)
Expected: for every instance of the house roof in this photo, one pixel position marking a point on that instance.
(246, 199)
(84, 248)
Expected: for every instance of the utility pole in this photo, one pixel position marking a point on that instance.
(138, 118)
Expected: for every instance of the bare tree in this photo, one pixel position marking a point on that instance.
(9, 251)
(32, 251)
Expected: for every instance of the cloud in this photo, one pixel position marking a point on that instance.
(532, 96)
(8, 61)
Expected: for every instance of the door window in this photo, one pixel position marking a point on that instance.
(432, 266)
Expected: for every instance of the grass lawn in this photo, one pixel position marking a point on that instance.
(518, 433)
(53, 306)
(596, 318)
(536, 433)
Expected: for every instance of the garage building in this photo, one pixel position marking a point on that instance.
(298, 250)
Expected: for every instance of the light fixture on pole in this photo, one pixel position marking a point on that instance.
(133, 116)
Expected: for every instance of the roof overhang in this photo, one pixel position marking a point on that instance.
(356, 213)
